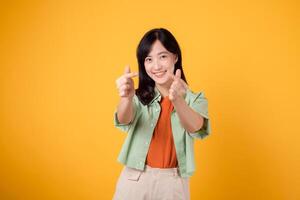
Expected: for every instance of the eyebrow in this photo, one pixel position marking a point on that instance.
(160, 53)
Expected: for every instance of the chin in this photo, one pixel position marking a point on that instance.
(160, 81)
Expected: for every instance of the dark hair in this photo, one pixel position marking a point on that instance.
(145, 92)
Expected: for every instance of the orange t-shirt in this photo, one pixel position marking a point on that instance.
(162, 153)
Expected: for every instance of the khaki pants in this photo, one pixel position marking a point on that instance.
(151, 184)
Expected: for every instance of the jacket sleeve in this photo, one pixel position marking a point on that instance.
(199, 104)
(126, 127)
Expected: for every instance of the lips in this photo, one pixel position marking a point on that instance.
(160, 74)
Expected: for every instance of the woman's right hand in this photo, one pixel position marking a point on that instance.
(125, 83)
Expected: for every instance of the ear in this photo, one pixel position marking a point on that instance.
(176, 58)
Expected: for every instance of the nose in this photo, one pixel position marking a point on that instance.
(156, 65)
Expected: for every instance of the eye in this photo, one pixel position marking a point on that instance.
(163, 56)
(148, 60)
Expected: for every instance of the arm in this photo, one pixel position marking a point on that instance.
(190, 119)
(125, 110)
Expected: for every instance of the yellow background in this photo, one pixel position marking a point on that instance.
(58, 65)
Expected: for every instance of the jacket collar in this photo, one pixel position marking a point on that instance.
(157, 95)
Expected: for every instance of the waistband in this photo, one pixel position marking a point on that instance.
(168, 171)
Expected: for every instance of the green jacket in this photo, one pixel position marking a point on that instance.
(139, 132)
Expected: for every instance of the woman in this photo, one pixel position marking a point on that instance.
(162, 117)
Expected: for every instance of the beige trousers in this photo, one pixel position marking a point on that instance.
(151, 184)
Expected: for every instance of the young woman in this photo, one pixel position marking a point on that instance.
(162, 117)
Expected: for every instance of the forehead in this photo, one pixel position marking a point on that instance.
(157, 48)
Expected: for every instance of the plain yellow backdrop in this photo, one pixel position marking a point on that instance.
(58, 65)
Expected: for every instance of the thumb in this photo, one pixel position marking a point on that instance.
(178, 73)
(127, 69)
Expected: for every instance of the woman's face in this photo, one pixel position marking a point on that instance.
(159, 63)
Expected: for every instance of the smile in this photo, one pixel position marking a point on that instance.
(160, 74)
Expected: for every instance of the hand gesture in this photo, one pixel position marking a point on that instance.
(125, 83)
(178, 87)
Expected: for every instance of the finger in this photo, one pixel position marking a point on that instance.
(127, 69)
(122, 81)
(171, 94)
(122, 94)
(184, 84)
(178, 74)
(173, 86)
(171, 97)
(131, 75)
(124, 87)
(182, 91)
(172, 91)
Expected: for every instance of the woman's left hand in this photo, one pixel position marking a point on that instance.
(178, 88)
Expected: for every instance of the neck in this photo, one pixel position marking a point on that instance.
(163, 89)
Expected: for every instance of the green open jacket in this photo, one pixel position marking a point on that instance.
(139, 132)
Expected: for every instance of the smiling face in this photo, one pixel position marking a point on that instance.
(159, 64)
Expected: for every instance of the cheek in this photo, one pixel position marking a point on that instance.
(170, 64)
(171, 68)
(147, 68)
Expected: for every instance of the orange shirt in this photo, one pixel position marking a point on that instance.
(162, 153)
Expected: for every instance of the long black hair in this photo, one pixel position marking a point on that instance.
(145, 92)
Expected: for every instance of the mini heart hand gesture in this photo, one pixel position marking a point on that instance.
(125, 83)
(178, 88)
